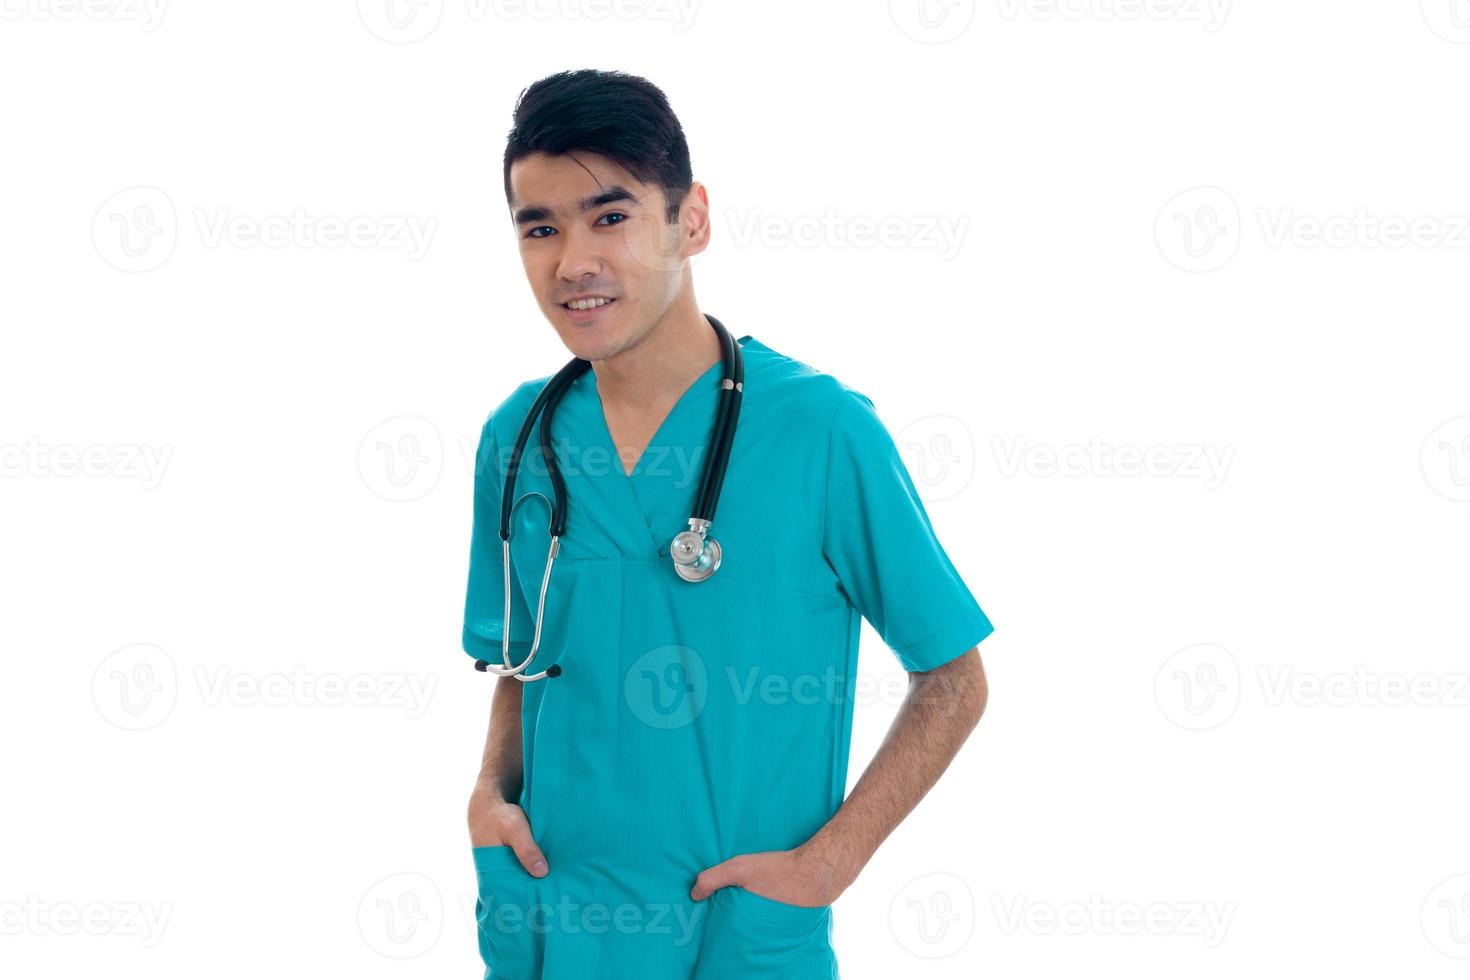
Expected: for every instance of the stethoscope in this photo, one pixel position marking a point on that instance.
(696, 555)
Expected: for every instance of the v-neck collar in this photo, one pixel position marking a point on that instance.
(666, 476)
(704, 385)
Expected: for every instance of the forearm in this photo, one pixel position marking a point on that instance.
(501, 764)
(940, 710)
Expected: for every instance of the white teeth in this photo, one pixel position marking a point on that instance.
(586, 304)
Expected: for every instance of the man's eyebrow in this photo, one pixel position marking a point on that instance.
(539, 212)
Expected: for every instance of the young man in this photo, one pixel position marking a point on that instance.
(665, 800)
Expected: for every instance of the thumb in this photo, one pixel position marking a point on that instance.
(531, 857)
(715, 877)
(520, 840)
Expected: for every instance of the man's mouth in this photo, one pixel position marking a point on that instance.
(587, 303)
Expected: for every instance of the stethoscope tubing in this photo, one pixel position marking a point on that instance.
(711, 481)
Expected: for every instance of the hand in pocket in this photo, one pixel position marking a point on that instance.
(494, 822)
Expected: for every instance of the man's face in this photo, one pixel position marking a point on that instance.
(587, 228)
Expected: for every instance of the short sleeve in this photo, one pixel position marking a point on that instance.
(484, 604)
(878, 539)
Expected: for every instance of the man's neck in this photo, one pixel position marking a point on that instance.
(652, 374)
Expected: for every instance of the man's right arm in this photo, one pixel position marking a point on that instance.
(494, 816)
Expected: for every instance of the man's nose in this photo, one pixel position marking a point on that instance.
(580, 256)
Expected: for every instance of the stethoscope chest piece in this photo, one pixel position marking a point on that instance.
(696, 556)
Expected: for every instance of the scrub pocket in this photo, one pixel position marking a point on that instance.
(503, 913)
(751, 936)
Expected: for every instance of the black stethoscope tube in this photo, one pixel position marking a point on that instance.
(545, 406)
(732, 388)
(716, 463)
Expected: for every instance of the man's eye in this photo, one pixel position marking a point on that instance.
(614, 214)
(534, 232)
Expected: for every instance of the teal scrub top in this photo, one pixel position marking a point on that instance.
(694, 721)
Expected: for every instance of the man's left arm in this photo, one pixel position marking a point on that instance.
(938, 713)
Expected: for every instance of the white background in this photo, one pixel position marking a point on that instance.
(1229, 699)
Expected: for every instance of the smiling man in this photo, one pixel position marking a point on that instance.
(661, 795)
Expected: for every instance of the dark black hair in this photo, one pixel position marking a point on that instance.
(620, 116)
